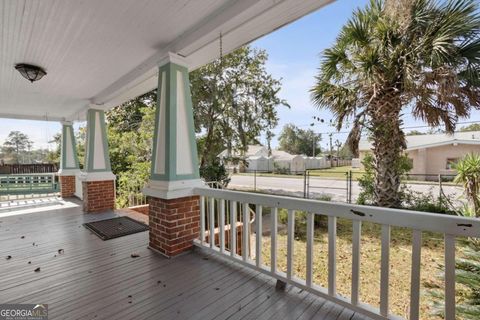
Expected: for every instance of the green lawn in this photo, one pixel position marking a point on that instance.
(400, 263)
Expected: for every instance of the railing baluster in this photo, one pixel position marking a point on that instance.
(273, 239)
(385, 271)
(449, 276)
(233, 228)
(258, 231)
(239, 213)
(246, 231)
(415, 276)
(356, 240)
(202, 220)
(221, 225)
(310, 232)
(212, 221)
(290, 239)
(332, 256)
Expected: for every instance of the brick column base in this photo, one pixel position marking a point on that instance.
(67, 186)
(98, 195)
(174, 224)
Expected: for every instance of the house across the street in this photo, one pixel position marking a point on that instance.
(434, 154)
(258, 158)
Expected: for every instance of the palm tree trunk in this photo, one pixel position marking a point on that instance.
(388, 146)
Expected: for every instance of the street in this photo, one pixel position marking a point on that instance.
(336, 188)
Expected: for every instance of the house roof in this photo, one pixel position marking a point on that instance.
(282, 155)
(252, 150)
(433, 140)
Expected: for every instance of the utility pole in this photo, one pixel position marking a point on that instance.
(313, 147)
(331, 150)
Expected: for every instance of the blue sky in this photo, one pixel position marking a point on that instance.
(294, 56)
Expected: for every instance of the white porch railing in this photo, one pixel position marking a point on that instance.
(450, 226)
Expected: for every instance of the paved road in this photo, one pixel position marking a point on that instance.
(336, 188)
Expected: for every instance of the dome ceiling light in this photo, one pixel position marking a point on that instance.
(30, 72)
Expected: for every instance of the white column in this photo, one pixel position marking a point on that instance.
(174, 171)
(97, 160)
(69, 165)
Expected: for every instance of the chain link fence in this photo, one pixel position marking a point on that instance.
(338, 185)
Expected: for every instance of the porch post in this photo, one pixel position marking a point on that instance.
(69, 165)
(174, 211)
(98, 181)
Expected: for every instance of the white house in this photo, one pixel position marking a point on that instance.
(259, 163)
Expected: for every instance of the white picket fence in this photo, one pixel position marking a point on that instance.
(450, 226)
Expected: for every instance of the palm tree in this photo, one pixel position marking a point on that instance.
(468, 174)
(395, 56)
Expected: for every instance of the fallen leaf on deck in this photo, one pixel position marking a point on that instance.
(134, 255)
(8, 257)
(61, 251)
(37, 270)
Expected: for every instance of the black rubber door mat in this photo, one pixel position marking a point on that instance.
(115, 227)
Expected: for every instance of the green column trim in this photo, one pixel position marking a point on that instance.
(90, 141)
(63, 159)
(171, 71)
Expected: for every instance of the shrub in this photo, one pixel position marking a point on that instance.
(468, 275)
(215, 171)
(426, 202)
(279, 170)
(468, 174)
(131, 183)
(324, 197)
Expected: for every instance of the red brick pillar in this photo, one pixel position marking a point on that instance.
(67, 186)
(98, 195)
(174, 224)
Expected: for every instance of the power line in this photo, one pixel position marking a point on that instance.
(404, 128)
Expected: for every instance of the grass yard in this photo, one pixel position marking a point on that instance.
(400, 255)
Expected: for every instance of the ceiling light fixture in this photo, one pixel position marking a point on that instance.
(30, 72)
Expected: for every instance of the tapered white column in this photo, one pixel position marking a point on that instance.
(69, 165)
(174, 171)
(98, 181)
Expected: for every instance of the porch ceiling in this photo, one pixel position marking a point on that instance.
(106, 52)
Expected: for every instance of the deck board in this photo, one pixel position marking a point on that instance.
(93, 279)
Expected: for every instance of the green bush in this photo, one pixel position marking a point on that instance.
(279, 170)
(130, 183)
(215, 171)
(468, 277)
(426, 202)
(324, 197)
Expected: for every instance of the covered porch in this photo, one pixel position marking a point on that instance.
(98, 55)
(95, 279)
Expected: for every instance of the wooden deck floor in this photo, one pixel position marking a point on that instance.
(95, 279)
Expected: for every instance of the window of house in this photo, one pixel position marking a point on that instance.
(450, 163)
